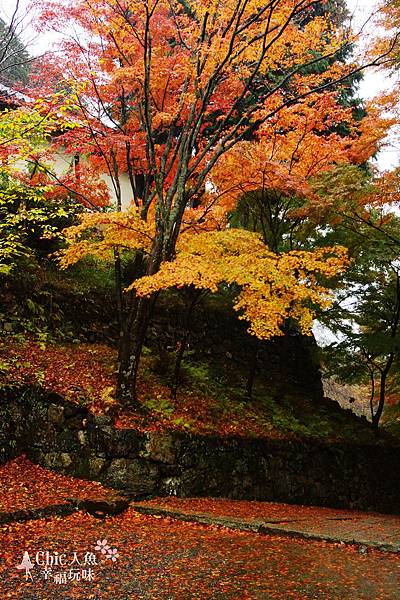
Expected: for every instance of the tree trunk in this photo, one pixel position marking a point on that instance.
(372, 395)
(252, 371)
(183, 342)
(382, 392)
(133, 332)
(130, 350)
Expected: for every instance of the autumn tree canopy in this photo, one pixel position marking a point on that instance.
(165, 92)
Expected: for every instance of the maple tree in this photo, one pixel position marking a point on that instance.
(163, 92)
(273, 287)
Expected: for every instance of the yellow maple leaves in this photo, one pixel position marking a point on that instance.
(98, 234)
(273, 287)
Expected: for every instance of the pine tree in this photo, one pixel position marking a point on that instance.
(15, 62)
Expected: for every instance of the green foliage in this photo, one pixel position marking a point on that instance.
(366, 314)
(30, 224)
(199, 374)
(15, 62)
(268, 212)
(160, 404)
(72, 307)
(391, 422)
(5, 366)
(88, 277)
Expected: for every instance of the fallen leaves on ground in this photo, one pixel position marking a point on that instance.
(86, 373)
(26, 486)
(75, 371)
(250, 510)
(162, 559)
(165, 559)
(332, 524)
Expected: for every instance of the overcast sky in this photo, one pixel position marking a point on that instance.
(373, 83)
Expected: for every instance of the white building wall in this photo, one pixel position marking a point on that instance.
(64, 162)
(126, 190)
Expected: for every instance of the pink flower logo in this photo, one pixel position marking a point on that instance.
(102, 546)
(113, 554)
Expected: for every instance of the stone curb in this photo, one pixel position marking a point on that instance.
(260, 527)
(53, 510)
(97, 508)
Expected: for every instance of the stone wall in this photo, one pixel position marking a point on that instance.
(286, 365)
(65, 437)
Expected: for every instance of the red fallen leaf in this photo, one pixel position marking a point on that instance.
(160, 560)
(86, 373)
(24, 486)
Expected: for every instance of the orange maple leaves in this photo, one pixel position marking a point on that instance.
(149, 69)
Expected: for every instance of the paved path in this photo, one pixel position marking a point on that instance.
(167, 559)
(176, 558)
(372, 530)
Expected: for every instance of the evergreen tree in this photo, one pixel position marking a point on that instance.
(366, 314)
(15, 62)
